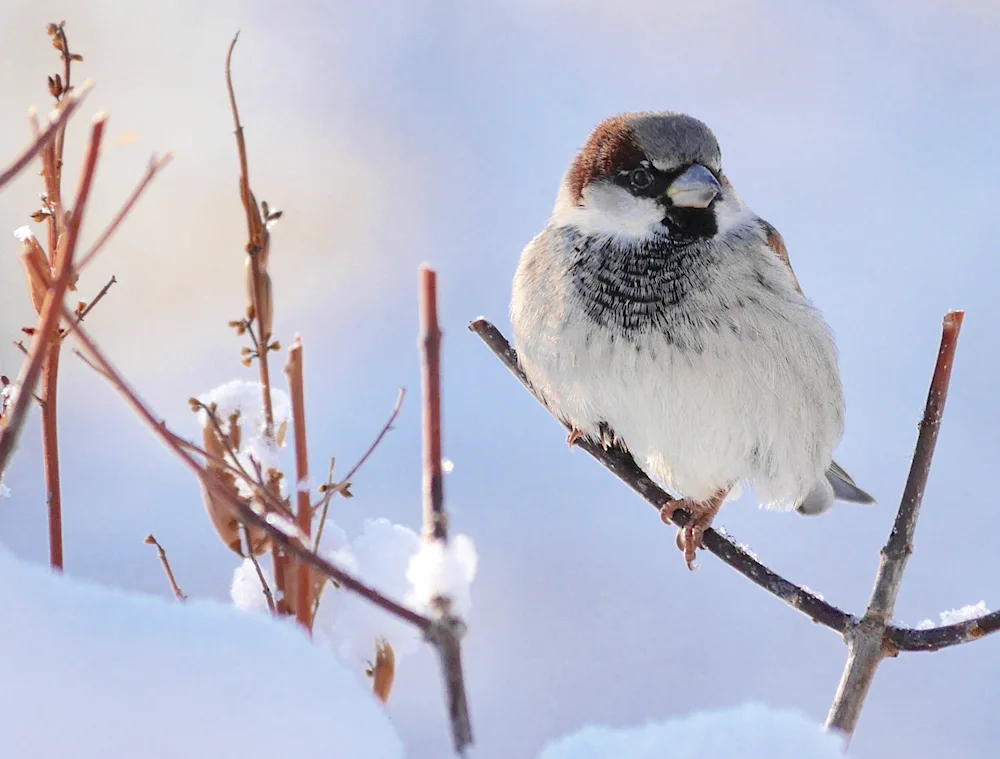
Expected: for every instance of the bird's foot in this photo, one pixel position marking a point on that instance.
(689, 537)
(574, 437)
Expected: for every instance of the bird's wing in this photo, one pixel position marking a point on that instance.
(777, 244)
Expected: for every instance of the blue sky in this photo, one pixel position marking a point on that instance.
(398, 132)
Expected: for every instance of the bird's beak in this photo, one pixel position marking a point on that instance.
(695, 188)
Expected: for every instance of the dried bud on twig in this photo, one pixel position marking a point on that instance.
(383, 671)
(36, 267)
(266, 304)
(222, 516)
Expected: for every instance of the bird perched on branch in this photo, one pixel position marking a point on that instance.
(656, 311)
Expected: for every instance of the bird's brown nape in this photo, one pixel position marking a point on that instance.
(610, 147)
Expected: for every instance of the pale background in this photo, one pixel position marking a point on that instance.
(397, 132)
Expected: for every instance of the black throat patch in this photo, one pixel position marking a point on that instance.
(638, 287)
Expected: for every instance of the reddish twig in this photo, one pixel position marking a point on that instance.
(281, 531)
(258, 240)
(258, 245)
(448, 634)
(85, 311)
(155, 165)
(31, 368)
(44, 358)
(867, 644)
(178, 594)
(44, 138)
(296, 391)
(435, 520)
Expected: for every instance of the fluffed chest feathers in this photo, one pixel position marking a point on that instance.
(707, 365)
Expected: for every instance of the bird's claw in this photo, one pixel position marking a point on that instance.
(690, 537)
(574, 437)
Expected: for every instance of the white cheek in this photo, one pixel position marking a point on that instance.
(606, 209)
(731, 212)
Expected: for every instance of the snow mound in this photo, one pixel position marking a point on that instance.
(751, 731)
(91, 672)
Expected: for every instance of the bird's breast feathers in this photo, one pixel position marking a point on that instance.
(734, 379)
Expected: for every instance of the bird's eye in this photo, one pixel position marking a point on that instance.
(640, 178)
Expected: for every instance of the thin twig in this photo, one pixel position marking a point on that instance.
(867, 641)
(258, 242)
(281, 531)
(31, 368)
(150, 540)
(45, 333)
(89, 307)
(447, 636)
(435, 520)
(257, 247)
(57, 31)
(265, 588)
(62, 255)
(296, 391)
(378, 439)
(623, 466)
(97, 299)
(330, 488)
(235, 466)
(155, 165)
(43, 139)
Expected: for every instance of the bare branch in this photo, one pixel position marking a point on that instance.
(435, 520)
(447, 636)
(43, 139)
(330, 488)
(898, 548)
(258, 243)
(155, 164)
(282, 532)
(296, 391)
(265, 588)
(375, 443)
(259, 292)
(97, 299)
(936, 638)
(623, 466)
(85, 311)
(867, 642)
(178, 594)
(48, 320)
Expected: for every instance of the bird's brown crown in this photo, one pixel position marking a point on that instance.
(621, 142)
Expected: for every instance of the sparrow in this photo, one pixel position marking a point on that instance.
(657, 312)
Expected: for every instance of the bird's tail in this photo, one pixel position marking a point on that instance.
(836, 486)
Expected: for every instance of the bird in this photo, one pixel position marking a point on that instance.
(657, 312)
